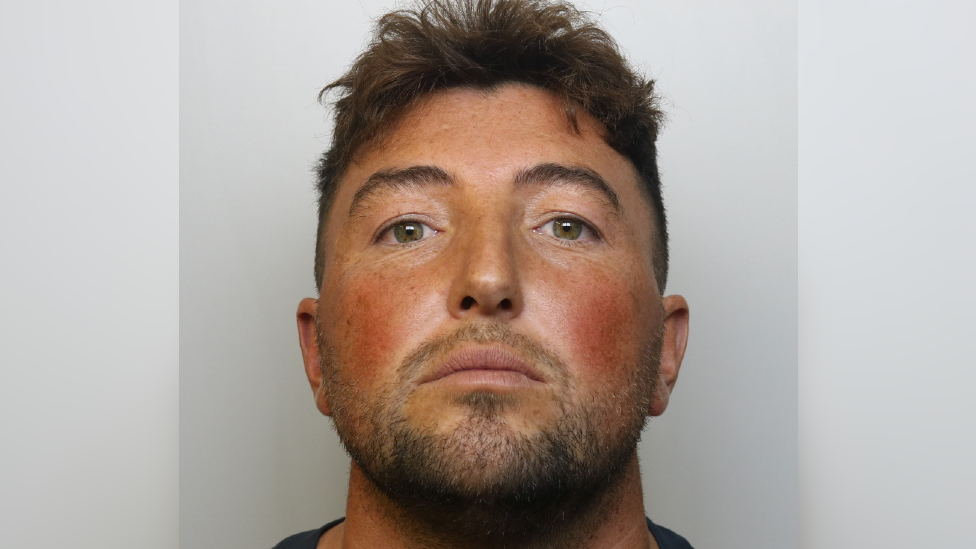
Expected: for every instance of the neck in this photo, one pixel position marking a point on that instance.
(612, 516)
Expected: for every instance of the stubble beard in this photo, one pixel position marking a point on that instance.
(485, 483)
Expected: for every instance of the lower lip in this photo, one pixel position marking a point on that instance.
(488, 378)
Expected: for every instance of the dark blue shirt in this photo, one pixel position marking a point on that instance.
(666, 539)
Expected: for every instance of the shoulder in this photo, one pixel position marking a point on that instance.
(306, 540)
(666, 539)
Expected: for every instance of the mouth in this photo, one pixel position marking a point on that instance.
(484, 366)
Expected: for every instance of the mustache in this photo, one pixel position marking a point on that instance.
(481, 333)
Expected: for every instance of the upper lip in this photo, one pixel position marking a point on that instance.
(482, 358)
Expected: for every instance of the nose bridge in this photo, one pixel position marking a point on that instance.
(487, 280)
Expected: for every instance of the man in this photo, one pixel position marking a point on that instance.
(491, 332)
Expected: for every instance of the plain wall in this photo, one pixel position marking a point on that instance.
(257, 461)
(89, 275)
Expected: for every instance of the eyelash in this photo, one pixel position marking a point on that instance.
(387, 230)
(594, 234)
(560, 216)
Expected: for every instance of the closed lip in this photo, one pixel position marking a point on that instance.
(482, 358)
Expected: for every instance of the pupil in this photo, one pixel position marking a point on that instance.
(569, 230)
(408, 232)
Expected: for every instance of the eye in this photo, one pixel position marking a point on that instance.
(405, 232)
(567, 228)
(408, 232)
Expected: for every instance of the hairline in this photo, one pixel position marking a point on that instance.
(395, 118)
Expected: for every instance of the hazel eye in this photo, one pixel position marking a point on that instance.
(566, 228)
(406, 232)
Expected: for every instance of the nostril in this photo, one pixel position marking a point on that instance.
(506, 304)
(467, 302)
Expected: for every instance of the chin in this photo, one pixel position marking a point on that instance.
(487, 480)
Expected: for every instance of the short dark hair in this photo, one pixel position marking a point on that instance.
(482, 44)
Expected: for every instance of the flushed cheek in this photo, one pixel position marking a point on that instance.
(605, 326)
(377, 320)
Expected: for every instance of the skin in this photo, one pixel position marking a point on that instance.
(490, 254)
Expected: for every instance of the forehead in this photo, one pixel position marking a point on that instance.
(484, 137)
(510, 125)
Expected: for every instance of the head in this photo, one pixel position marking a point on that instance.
(491, 332)
(481, 44)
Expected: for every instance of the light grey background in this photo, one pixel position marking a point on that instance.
(258, 462)
(89, 275)
(89, 237)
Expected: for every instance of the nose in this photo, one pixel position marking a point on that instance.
(486, 282)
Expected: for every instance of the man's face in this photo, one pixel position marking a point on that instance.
(488, 303)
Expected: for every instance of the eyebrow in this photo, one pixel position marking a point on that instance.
(414, 176)
(548, 174)
(552, 174)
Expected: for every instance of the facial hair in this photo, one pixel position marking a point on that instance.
(485, 480)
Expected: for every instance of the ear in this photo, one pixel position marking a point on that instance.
(309, 341)
(672, 350)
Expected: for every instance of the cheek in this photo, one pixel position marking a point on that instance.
(605, 326)
(375, 320)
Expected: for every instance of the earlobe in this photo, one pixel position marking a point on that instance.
(309, 342)
(672, 351)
